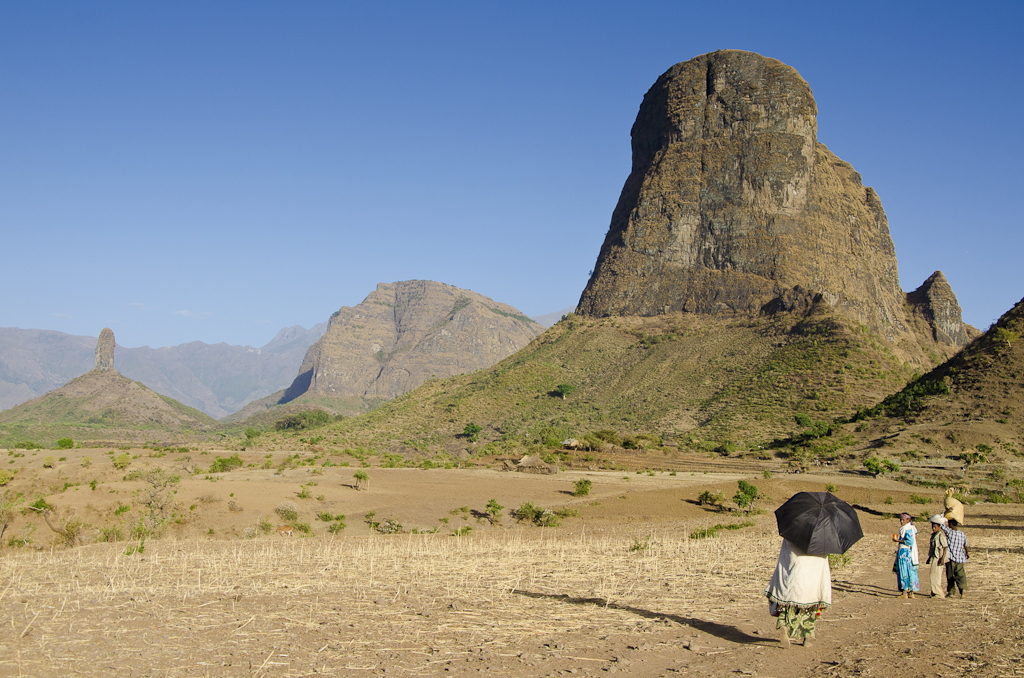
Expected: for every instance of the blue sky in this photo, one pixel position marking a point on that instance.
(216, 171)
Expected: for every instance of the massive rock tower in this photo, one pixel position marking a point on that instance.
(732, 205)
(105, 351)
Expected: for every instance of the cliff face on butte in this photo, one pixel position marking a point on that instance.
(733, 205)
(403, 334)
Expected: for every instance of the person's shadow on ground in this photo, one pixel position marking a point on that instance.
(723, 631)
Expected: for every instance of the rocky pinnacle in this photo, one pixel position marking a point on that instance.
(105, 351)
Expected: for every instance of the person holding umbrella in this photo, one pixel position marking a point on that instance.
(812, 525)
(907, 560)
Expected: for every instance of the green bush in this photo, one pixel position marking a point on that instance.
(472, 431)
(65, 444)
(288, 511)
(582, 487)
(121, 461)
(222, 465)
(709, 498)
(745, 495)
(302, 420)
(48, 462)
(5, 477)
(542, 517)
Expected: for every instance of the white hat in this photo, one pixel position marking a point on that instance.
(937, 519)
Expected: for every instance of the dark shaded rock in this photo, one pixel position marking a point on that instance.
(105, 351)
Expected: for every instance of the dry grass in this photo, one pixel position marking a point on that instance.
(409, 603)
(196, 605)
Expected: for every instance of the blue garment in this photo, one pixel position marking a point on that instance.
(906, 571)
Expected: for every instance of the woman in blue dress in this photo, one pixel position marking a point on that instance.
(907, 561)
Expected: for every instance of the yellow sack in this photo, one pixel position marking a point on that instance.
(954, 509)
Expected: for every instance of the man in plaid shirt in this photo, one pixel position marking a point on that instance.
(956, 575)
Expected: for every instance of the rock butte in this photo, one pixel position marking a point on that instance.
(404, 333)
(733, 206)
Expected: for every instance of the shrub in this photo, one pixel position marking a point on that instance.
(302, 420)
(65, 444)
(472, 431)
(918, 499)
(745, 495)
(121, 461)
(222, 465)
(266, 526)
(5, 477)
(86, 462)
(830, 487)
(563, 390)
(542, 517)
(389, 526)
(48, 462)
(708, 498)
(582, 487)
(288, 511)
(493, 510)
(336, 526)
(362, 479)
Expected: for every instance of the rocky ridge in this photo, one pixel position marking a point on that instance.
(734, 206)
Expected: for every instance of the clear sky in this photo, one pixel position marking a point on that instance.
(216, 171)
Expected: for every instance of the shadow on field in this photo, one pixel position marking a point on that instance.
(864, 589)
(723, 631)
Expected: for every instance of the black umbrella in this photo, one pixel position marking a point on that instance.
(818, 523)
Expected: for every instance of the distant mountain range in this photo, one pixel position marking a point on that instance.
(217, 379)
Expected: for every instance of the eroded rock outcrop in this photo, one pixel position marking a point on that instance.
(105, 351)
(935, 302)
(733, 205)
(405, 333)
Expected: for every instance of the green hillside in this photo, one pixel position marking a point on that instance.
(696, 382)
(101, 406)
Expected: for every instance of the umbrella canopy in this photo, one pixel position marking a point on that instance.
(818, 523)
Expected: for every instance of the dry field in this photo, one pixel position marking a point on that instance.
(618, 589)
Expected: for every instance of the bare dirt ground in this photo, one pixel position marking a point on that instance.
(618, 588)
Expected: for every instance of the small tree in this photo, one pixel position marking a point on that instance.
(362, 480)
(65, 444)
(564, 390)
(493, 510)
(472, 431)
(877, 467)
(745, 496)
(121, 461)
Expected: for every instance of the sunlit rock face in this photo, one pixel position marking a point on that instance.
(733, 206)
